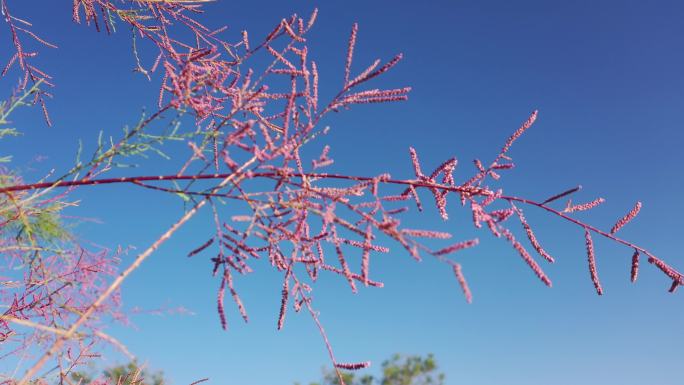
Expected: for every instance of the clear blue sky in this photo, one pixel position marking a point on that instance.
(607, 78)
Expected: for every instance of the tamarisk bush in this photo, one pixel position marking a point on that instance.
(244, 106)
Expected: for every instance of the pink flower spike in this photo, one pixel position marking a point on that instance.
(202, 247)
(350, 53)
(312, 19)
(365, 72)
(478, 165)
(592, 262)
(635, 265)
(365, 256)
(283, 300)
(526, 257)
(627, 218)
(414, 193)
(456, 247)
(236, 297)
(314, 72)
(416, 163)
(674, 286)
(395, 198)
(345, 267)
(561, 195)
(464, 284)
(386, 67)
(219, 300)
(668, 270)
(245, 40)
(584, 206)
(353, 366)
(426, 234)
(528, 123)
(533, 239)
(441, 202)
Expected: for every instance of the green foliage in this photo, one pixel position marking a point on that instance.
(46, 225)
(129, 374)
(35, 223)
(398, 370)
(34, 219)
(8, 106)
(412, 370)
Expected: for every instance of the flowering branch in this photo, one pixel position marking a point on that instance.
(248, 134)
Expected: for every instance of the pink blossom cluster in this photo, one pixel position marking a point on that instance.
(268, 200)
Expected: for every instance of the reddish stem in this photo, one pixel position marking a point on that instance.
(416, 183)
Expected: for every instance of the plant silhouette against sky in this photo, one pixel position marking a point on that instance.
(244, 106)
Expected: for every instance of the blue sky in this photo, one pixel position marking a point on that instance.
(607, 79)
